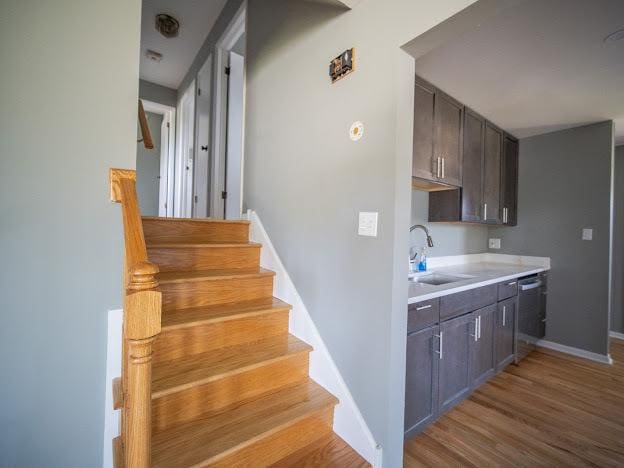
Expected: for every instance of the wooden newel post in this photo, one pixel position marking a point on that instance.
(141, 326)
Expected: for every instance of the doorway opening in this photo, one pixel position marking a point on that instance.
(155, 166)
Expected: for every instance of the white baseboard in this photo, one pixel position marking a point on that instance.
(113, 370)
(616, 335)
(348, 421)
(602, 358)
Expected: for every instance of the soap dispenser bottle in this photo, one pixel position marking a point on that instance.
(422, 263)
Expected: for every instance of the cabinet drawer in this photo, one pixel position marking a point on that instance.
(423, 314)
(507, 289)
(467, 301)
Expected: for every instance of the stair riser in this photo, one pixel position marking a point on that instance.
(180, 342)
(204, 258)
(159, 230)
(202, 400)
(210, 292)
(273, 447)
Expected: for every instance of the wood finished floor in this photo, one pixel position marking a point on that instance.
(551, 410)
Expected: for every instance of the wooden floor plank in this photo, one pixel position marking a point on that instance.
(551, 410)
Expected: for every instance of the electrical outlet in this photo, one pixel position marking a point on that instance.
(367, 225)
(494, 243)
(588, 234)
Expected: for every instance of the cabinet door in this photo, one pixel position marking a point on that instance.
(482, 362)
(493, 142)
(509, 182)
(455, 346)
(504, 335)
(421, 379)
(447, 138)
(422, 156)
(472, 175)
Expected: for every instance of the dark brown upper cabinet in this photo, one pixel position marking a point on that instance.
(472, 187)
(509, 181)
(437, 148)
(492, 153)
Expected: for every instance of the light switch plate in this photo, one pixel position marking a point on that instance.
(588, 234)
(494, 243)
(367, 225)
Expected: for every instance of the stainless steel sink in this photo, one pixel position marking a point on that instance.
(439, 278)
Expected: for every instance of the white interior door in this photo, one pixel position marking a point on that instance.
(202, 144)
(234, 148)
(185, 154)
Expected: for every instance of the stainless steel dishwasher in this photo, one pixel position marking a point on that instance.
(532, 295)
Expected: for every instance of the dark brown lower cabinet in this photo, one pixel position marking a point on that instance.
(455, 380)
(504, 335)
(448, 359)
(421, 379)
(482, 360)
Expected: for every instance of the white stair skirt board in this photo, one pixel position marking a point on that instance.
(113, 370)
(348, 421)
(616, 335)
(604, 359)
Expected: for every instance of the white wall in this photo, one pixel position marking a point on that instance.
(68, 100)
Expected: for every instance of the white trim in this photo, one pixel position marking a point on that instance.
(230, 36)
(616, 335)
(348, 421)
(602, 358)
(183, 184)
(113, 370)
(167, 154)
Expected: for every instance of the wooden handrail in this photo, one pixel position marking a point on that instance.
(142, 311)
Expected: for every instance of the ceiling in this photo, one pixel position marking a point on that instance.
(537, 66)
(196, 17)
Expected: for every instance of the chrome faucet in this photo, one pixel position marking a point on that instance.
(424, 228)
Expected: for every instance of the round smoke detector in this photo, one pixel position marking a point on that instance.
(167, 25)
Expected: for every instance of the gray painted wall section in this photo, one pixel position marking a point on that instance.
(564, 186)
(157, 93)
(307, 180)
(448, 239)
(617, 311)
(69, 110)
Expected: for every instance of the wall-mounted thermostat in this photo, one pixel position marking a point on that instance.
(342, 65)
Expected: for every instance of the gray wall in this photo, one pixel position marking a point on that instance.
(148, 168)
(564, 186)
(448, 239)
(69, 104)
(308, 180)
(617, 310)
(157, 93)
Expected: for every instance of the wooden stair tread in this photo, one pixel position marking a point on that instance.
(329, 452)
(180, 318)
(195, 220)
(212, 438)
(205, 244)
(189, 371)
(166, 277)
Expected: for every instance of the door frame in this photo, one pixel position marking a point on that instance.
(167, 154)
(231, 35)
(202, 188)
(184, 167)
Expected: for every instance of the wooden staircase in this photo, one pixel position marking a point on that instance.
(229, 385)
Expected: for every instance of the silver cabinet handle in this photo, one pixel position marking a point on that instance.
(484, 211)
(479, 334)
(476, 332)
(440, 344)
(526, 287)
(424, 307)
(512, 283)
(438, 168)
(544, 320)
(504, 315)
(443, 167)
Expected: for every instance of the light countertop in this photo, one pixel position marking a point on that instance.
(483, 273)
